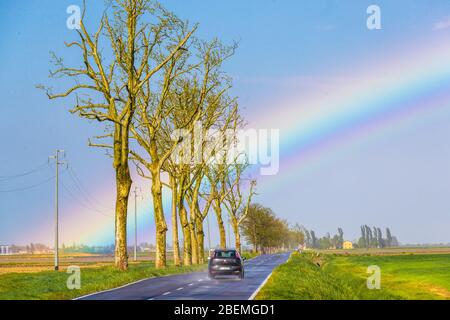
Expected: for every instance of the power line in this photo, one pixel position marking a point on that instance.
(82, 203)
(15, 176)
(29, 187)
(87, 196)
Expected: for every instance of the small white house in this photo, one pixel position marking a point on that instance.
(5, 250)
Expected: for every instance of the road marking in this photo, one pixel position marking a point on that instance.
(252, 297)
(104, 291)
(190, 284)
(200, 280)
(121, 287)
(166, 293)
(150, 299)
(180, 289)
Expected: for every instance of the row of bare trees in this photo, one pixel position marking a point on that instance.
(153, 85)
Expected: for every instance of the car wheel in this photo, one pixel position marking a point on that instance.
(242, 274)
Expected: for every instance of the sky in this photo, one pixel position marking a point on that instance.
(364, 117)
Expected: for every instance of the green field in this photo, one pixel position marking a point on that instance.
(312, 276)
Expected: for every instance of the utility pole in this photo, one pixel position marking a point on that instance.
(135, 221)
(57, 157)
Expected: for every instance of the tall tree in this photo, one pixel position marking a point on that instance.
(388, 237)
(380, 238)
(174, 221)
(254, 224)
(218, 190)
(375, 238)
(264, 230)
(117, 62)
(297, 236)
(369, 240)
(189, 91)
(217, 119)
(341, 238)
(314, 243)
(363, 242)
(234, 199)
(308, 238)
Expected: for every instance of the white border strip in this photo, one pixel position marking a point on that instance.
(253, 296)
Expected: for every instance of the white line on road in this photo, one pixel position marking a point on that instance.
(180, 289)
(252, 297)
(104, 291)
(166, 293)
(190, 284)
(121, 287)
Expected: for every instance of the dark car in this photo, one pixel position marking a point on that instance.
(226, 262)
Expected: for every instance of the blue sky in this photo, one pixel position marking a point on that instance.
(397, 177)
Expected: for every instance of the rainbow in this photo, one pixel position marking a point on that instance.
(408, 89)
(397, 89)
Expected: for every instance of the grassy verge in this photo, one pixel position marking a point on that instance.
(330, 277)
(250, 255)
(50, 285)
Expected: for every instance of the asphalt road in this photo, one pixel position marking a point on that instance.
(197, 286)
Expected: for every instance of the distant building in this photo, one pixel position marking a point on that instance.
(348, 245)
(5, 250)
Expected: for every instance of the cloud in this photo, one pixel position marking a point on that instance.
(441, 25)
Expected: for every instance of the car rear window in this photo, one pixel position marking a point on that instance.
(225, 254)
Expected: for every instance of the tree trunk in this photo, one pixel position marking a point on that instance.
(121, 155)
(123, 185)
(223, 238)
(187, 249)
(200, 241)
(193, 225)
(194, 243)
(237, 236)
(160, 221)
(175, 242)
(200, 233)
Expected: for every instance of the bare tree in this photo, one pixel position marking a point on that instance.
(188, 91)
(109, 84)
(220, 118)
(218, 193)
(118, 61)
(234, 199)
